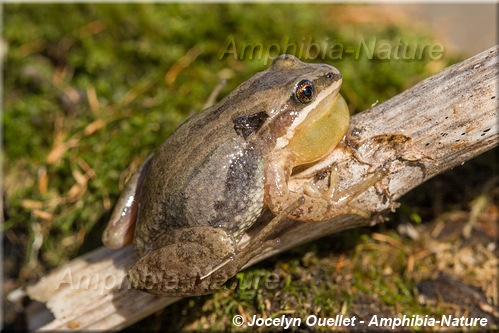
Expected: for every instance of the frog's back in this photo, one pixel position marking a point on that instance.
(213, 178)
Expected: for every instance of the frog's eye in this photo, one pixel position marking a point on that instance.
(305, 91)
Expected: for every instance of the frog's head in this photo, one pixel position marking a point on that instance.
(294, 107)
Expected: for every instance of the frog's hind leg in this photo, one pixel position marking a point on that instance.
(257, 244)
(121, 226)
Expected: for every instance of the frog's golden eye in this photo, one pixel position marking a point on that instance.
(305, 91)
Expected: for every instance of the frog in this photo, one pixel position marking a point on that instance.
(189, 204)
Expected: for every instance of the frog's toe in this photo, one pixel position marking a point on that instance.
(120, 229)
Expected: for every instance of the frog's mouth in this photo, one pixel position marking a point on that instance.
(321, 130)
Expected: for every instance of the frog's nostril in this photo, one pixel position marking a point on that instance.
(334, 76)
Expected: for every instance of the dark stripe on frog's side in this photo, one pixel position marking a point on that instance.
(244, 189)
(212, 144)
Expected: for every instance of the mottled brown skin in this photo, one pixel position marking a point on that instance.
(206, 185)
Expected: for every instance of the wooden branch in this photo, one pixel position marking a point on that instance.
(440, 123)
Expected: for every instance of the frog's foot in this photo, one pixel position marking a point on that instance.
(338, 201)
(347, 195)
(256, 245)
(121, 226)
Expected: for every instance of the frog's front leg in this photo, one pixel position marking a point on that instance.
(318, 205)
(121, 226)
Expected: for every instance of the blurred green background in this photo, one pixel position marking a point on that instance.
(91, 90)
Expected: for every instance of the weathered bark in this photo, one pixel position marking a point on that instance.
(438, 124)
